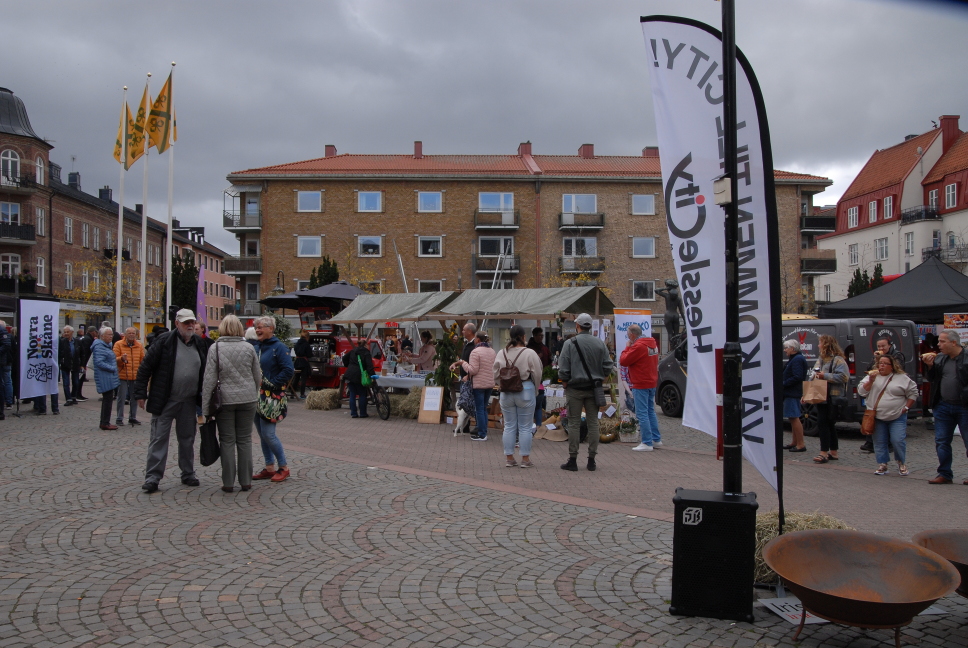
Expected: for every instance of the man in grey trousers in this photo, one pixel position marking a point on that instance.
(580, 385)
(175, 367)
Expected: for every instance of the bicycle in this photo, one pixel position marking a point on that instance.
(375, 395)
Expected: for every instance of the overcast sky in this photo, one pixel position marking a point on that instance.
(261, 83)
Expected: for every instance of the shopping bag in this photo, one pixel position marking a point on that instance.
(815, 391)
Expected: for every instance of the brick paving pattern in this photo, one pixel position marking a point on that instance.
(394, 534)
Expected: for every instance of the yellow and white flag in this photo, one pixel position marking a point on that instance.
(161, 121)
(122, 134)
(136, 130)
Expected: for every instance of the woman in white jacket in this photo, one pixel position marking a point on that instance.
(233, 363)
(892, 393)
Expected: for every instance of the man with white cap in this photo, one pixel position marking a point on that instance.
(175, 367)
(584, 360)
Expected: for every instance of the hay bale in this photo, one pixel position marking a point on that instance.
(396, 400)
(410, 405)
(324, 399)
(767, 528)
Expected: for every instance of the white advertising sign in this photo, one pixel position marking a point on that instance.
(39, 373)
(685, 65)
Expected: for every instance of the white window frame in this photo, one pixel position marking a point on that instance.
(10, 213)
(435, 284)
(128, 245)
(872, 211)
(248, 292)
(643, 283)
(40, 268)
(430, 239)
(10, 264)
(880, 249)
(369, 239)
(108, 240)
(39, 164)
(853, 257)
(852, 216)
(933, 198)
(950, 195)
(649, 210)
(96, 276)
(643, 238)
(69, 276)
(826, 292)
(573, 240)
(301, 284)
(299, 202)
(68, 229)
(502, 284)
(359, 202)
(138, 245)
(85, 235)
(505, 243)
(300, 240)
(505, 202)
(888, 207)
(569, 203)
(935, 239)
(258, 247)
(85, 280)
(9, 167)
(424, 209)
(96, 243)
(40, 217)
(908, 243)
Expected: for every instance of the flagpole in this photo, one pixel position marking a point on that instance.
(171, 180)
(144, 219)
(117, 256)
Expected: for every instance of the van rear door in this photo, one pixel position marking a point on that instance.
(808, 335)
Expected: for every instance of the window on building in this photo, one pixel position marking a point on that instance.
(252, 204)
(852, 216)
(9, 167)
(309, 246)
(952, 240)
(580, 247)
(10, 213)
(40, 216)
(252, 247)
(85, 235)
(139, 251)
(908, 243)
(371, 246)
(933, 198)
(428, 286)
(85, 280)
(888, 207)
(643, 247)
(643, 291)
(936, 239)
(9, 264)
(872, 211)
(96, 243)
(430, 246)
(579, 203)
(39, 168)
(369, 201)
(852, 257)
(643, 204)
(430, 201)
(127, 244)
(880, 249)
(251, 292)
(491, 246)
(371, 287)
(40, 265)
(306, 201)
(950, 195)
(488, 201)
(108, 240)
(68, 229)
(301, 284)
(69, 276)
(826, 292)
(501, 284)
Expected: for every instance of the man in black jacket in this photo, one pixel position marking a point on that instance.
(7, 360)
(175, 367)
(89, 336)
(69, 359)
(948, 373)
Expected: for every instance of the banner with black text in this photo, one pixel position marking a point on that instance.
(37, 333)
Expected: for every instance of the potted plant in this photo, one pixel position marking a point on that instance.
(628, 431)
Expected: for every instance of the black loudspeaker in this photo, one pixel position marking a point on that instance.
(713, 547)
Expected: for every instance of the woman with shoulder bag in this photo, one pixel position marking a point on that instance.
(277, 371)
(890, 394)
(478, 369)
(357, 361)
(832, 367)
(518, 407)
(233, 369)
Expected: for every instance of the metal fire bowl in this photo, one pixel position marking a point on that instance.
(951, 544)
(860, 579)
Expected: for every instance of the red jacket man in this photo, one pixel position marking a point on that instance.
(641, 357)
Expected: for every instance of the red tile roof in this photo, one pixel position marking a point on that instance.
(956, 159)
(889, 166)
(601, 165)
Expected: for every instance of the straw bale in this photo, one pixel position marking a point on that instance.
(767, 527)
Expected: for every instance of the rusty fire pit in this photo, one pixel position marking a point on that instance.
(860, 579)
(951, 544)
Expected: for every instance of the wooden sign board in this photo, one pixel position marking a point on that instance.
(431, 405)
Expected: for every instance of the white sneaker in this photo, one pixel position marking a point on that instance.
(657, 444)
(643, 448)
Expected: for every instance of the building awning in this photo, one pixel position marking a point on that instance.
(84, 308)
(235, 189)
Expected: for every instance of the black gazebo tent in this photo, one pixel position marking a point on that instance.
(922, 295)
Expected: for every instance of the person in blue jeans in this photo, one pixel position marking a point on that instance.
(890, 394)
(948, 373)
(277, 369)
(478, 369)
(518, 407)
(353, 360)
(641, 360)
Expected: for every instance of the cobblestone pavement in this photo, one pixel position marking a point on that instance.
(388, 534)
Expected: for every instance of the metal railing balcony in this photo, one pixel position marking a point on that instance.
(818, 224)
(510, 263)
(243, 265)
(570, 221)
(490, 220)
(14, 233)
(18, 183)
(923, 212)
(817, 262)
(579, 265)
(946, 254)
(9, 285)
(241, 220)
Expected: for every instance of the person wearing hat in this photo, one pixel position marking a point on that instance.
(175, 367)
(583, 350)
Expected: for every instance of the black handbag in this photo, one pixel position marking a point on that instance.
(597, 385)
(209, 450)
(215, 403)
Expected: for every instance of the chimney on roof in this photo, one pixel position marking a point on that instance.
(909, 137)
(949, 131)
(587, 151)
(74, 180)
(418, 150)
(175, 224)
(330, 150)
(55, 170)
(650, 151)
(524, 148)
(104, 193)
(138, 207)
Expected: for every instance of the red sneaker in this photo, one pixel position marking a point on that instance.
(265, 474)
(109, 427)
(281, 475)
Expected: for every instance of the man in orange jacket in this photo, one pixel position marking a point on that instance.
(129, 352)
(641, 358)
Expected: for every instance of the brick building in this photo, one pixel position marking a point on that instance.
(217, 289)
(468, 221)
(60, 240)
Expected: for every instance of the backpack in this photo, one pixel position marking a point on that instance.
(509, 378)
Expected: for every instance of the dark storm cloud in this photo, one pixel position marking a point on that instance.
(266, 83)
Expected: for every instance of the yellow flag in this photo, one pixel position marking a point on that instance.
(161, 119)
(122, 134)
(136, 131)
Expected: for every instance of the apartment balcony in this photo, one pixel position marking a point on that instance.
(243, 265)
(818, 262)
(9, 285)
(583, 222)
(818, 224)
(238, 222)
(948, 254)
(509, 264)
(581, 265)
(16, 234)
(497, 220)
(915, 214)
(21, 184)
